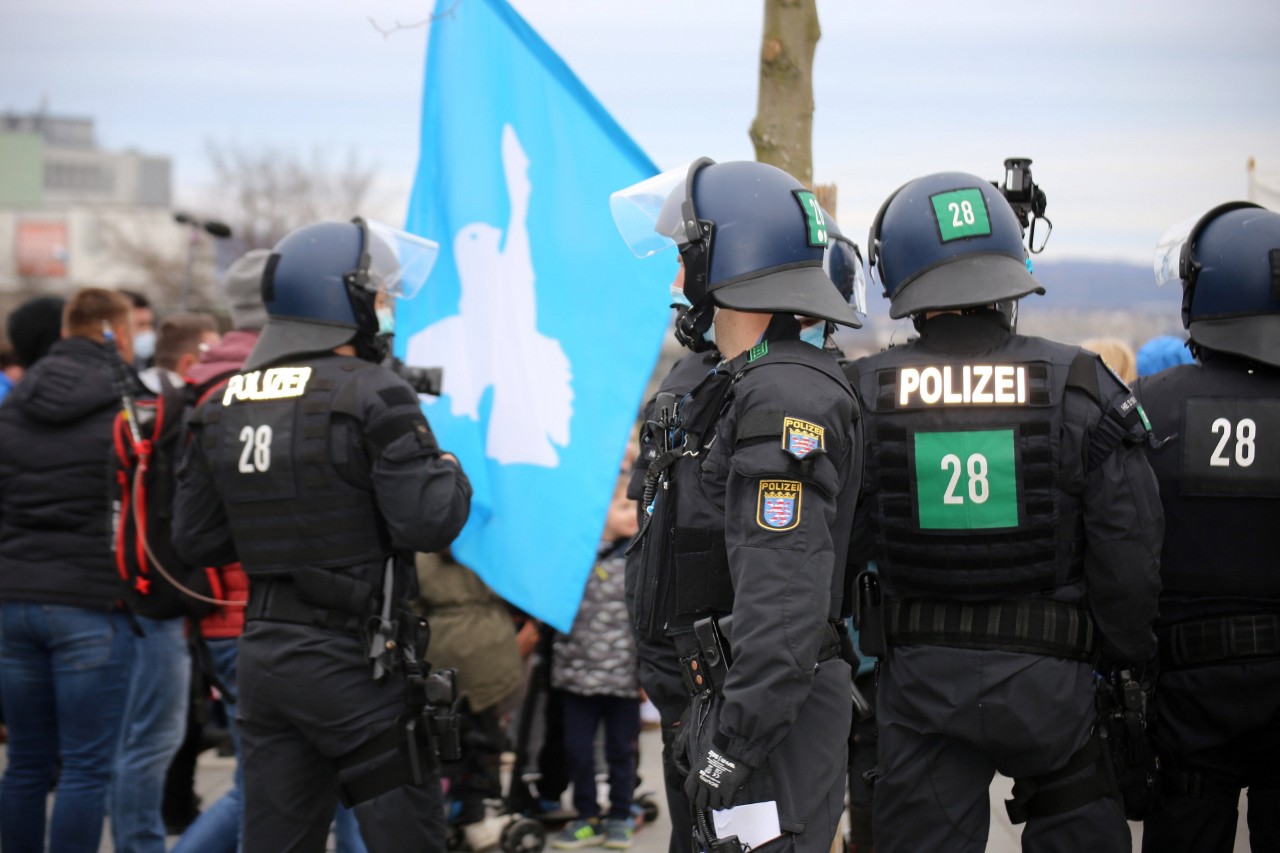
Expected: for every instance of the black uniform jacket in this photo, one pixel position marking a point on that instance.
(782, 472)
(423, 499)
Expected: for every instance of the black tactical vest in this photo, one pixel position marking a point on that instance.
(1219, 476)
(683, 570)
(963, 457)
(275, 439)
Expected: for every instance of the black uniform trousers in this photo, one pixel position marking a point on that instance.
(949, 719)
(660, 677)
(306, 698)
(1220, 722)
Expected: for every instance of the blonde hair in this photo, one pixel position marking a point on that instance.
(1117, 354)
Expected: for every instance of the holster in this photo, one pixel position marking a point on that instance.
(869, 615)
(705, 655)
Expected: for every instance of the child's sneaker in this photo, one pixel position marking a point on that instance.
(580, 833)
(617, 834)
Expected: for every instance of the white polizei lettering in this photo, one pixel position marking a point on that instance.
(276, 384)
(982, 372)
(1004, 384)
(234, 386)
(908, 381)
(971, 384)
(949, 394)
(930, 385)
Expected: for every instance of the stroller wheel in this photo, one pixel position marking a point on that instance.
(650, 807)
(524, 835)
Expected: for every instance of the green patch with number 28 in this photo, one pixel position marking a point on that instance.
(961, 213)
(966, 480)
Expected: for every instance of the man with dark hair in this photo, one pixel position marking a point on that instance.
(144, 328)
(34, 326)
(65, 645)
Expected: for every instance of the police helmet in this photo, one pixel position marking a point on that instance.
(843, 264)
(752, 238)
(1228, 262)
(946, 241)
(321, 283)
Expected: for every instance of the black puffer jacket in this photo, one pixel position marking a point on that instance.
(55, 441)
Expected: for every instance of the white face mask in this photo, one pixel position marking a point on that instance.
(144, 345)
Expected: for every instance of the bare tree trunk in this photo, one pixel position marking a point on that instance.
(783, 128)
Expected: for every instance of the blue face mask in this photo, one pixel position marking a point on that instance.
(386, 321)
(144, 345)
(815, 335)
(710, 334)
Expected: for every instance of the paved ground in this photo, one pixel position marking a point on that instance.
(213, 777)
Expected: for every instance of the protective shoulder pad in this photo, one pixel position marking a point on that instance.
(1123, 421)
(387, 406)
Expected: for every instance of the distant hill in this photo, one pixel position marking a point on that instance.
(1101, 284)
(1083, 299)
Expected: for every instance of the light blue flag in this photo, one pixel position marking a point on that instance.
(547, 327)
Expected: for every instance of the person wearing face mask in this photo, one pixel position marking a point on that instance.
(749, 501)
(315, 468)
(144, 328)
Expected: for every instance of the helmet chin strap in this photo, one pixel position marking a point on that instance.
(692, 325)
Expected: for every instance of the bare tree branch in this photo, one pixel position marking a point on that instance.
(267, 193)
(397, 26)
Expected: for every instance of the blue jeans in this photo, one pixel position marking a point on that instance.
(64, 675)
(219, 829)
(155, 723)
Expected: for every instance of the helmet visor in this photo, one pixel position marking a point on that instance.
(648, 213)
(399, 262)
(1168, 262)
(842, 262)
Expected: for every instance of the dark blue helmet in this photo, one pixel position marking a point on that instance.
(1229, 265)
(321, 283)
(945, 241)
(752, 238)
(843, 265)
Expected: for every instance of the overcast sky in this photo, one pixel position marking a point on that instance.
(1137, 114)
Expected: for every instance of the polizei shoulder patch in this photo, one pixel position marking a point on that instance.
(802, 438)
(778, 504)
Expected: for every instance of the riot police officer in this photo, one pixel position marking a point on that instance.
(1016, 532)
(317, 470)
(1217, 721)
(748, 500)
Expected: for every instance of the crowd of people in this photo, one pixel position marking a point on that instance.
(850, 587)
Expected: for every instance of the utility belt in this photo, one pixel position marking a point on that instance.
(1028, 625)
(316, 597)
(1218, 639)
(706, 653)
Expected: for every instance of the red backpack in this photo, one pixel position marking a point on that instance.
(143, 483)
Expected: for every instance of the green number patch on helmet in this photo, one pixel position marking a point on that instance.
(813, 217)
(961, 213)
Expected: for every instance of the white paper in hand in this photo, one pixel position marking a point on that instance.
(753, 823)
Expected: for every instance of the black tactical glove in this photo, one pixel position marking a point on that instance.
(717, 782)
